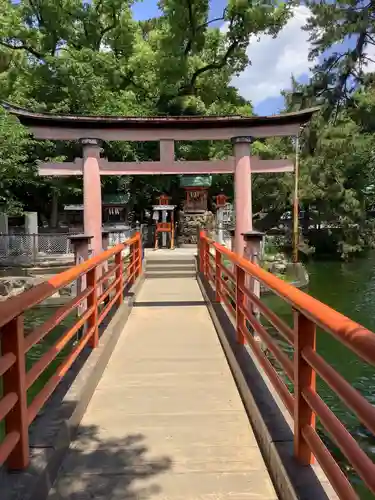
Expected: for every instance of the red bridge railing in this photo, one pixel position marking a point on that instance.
(304, 405)
(107, 275)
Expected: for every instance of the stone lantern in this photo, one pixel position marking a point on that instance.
(221, 202)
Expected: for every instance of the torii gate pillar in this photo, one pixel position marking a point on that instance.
(242, 191)
(92, 193)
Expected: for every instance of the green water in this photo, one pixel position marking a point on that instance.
(350, 289)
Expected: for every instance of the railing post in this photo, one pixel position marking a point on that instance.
(253, 241)
(14, 380)
(140, 254)
(206, 257)
(120, 277)
(304, 376)
(131, 263)
(217, 275)
(80, 244)
(201, 253)
(105, 245)
(92, 301)
(240, 304)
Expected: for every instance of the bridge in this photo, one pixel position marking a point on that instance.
(171, 382)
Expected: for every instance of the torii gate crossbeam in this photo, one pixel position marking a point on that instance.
(91, 130)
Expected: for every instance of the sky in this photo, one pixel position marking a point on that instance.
(273, 61)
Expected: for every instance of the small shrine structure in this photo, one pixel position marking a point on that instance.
(91, 131)
(196, 192)
(195, 208)
(165, 227)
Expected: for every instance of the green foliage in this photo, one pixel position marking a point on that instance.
(93, 57)
(339, 70)
(14, 167)
(337, 172)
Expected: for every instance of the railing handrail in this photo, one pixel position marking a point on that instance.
(102, 283)
(355, 336)
(14, 306)
(241, 296)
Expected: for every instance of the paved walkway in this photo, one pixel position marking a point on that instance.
(166, 421)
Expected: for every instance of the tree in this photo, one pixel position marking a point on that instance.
(337, 170)
(340, 70)
(14, 164)
(93, 57)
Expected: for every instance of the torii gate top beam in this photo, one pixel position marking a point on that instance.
(117, 128)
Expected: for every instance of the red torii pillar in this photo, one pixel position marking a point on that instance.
(92, 193)
(242, 190)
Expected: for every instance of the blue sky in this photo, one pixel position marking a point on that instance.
(274, 61)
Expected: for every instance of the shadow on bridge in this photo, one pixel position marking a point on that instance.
(121, 469)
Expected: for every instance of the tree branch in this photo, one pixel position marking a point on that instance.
(204, 25)
(36, 12)
(357, 53)
(212, 66)
(29, 49)
(192, 28)
(201, 27)
(108, 28)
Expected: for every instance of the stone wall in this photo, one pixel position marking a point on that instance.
(188, 223)
(278, 264)
(12, 286)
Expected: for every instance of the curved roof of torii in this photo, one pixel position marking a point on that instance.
(31, 118)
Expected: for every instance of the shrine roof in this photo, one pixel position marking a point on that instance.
(31, 118)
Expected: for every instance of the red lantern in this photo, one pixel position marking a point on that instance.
(221, 200)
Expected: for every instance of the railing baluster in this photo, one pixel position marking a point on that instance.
(133, 266)
(240, 303)
(92, 301)
(217, 275)
(206, 257)
(139, 255)
(304, 376)
(14, 381)
(201, 254)
(119, 274)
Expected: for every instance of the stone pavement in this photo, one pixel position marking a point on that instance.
(166, 421)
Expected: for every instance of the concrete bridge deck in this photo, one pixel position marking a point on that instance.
(166, 420)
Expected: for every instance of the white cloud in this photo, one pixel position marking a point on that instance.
(370, 56)
(275, 60)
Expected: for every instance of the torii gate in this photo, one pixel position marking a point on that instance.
(92, 130)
